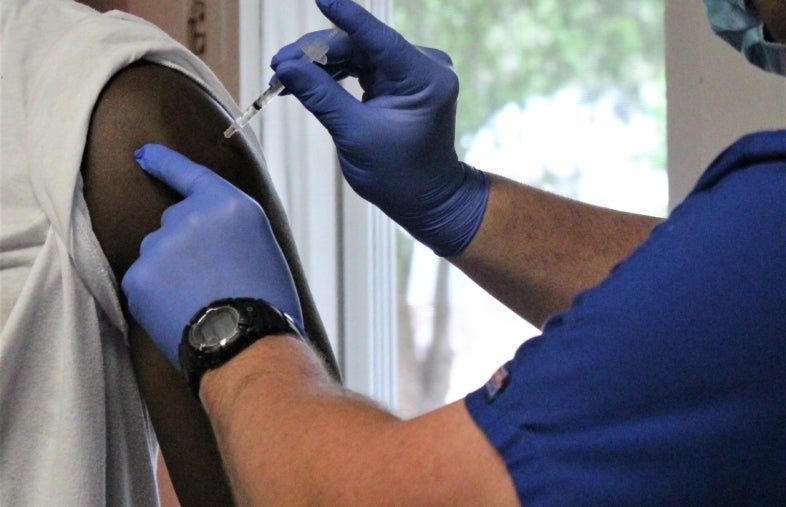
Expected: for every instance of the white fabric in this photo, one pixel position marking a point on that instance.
(73, 428)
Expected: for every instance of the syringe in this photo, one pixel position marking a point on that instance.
(313, 51)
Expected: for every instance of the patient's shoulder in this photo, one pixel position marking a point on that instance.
(148, 103)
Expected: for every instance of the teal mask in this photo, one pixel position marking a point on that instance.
(739, 25)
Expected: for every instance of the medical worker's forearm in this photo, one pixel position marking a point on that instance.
(290, 435)
(259, 407)
(534, 250)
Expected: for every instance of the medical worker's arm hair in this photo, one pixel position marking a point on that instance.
(147, 103)
(535, 250)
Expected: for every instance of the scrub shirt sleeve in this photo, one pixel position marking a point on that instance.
(664, 384)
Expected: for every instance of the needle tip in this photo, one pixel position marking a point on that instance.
(231, 130)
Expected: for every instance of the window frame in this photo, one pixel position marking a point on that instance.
(346, 245)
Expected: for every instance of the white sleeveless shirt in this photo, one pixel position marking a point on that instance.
(73, 427)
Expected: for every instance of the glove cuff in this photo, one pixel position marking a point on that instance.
(450, 227)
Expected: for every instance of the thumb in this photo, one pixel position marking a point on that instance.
(386, 48)
(176, 170)
(362, 27)
(330, 103)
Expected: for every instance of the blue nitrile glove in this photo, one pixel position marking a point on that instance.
(215, 243)
(396, 147)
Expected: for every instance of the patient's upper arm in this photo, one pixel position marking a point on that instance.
(147, 103)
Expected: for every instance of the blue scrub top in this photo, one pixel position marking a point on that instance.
(666, 383)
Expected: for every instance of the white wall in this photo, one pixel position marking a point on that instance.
(714, 95)
(209, 28)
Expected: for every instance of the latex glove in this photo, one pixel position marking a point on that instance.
(215, 243)
(396, 147)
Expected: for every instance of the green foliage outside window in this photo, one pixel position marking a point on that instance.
(509, 51)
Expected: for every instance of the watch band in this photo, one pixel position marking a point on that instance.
(252, 320)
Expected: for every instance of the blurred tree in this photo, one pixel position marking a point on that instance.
(511, 51)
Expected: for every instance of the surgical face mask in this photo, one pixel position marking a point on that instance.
(738, 24)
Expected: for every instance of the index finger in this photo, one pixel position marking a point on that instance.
(173, 168)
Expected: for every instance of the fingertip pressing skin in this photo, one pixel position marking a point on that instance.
(172, 168)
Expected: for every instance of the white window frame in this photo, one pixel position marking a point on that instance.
(347, 246)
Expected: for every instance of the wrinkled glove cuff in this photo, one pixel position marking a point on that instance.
(450, 227)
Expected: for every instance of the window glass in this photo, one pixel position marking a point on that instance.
(566, 96)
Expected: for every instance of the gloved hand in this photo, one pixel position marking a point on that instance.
(396, 147)
(215, 243)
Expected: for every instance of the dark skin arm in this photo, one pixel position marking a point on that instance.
(147, 103)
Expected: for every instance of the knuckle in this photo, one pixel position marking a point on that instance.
(437, 55)
(451, 82)
(245, 207)
(193, 219)
(136, 279)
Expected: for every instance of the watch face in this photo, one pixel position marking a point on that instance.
(215, 328)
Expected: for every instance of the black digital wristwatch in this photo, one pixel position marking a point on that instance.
(223, 329)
